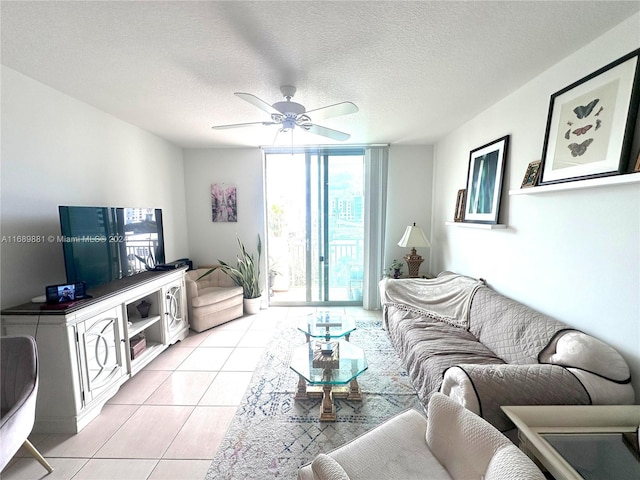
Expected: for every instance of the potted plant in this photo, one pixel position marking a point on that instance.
(245, 274)
(273, 273)
(395, 270)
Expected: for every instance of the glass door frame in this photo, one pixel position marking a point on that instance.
(322, 197)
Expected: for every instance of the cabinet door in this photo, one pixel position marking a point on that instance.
(101, 358)
(174, 309)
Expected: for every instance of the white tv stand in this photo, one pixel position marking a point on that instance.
(84, 351)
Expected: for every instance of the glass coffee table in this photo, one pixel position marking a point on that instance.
(328, 372)
(326, 325)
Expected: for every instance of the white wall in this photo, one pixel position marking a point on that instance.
(242, 167)
(409, 200)
(574, 255)
(59, 151)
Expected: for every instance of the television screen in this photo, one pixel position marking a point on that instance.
(142, 246)
(102, 244)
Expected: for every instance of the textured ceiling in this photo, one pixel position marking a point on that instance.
(417, 70)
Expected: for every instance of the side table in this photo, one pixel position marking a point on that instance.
(576, 442)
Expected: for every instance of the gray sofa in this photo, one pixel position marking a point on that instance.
(458, 336)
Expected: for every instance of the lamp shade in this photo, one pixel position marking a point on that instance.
(414, 237)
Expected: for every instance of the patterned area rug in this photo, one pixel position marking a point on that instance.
(272, 435)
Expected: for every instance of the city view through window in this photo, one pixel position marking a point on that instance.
(315, 212)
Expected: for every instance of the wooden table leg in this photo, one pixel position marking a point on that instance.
(327, 409)
(354, 391)
(301, 392)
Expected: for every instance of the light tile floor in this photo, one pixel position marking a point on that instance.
(168, 421)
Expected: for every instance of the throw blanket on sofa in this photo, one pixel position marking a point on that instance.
(446, 298)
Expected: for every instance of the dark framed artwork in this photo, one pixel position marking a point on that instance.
(458, 216)
(224, 206)
(531, 175)
(484, 181)
(590, 124)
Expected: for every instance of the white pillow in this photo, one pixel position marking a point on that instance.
(579, 350)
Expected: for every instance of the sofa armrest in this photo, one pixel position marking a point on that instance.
(191, 285)
(572, 348)
(326, 468)
(507, 384)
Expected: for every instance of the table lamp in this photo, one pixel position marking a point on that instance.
(413, 237)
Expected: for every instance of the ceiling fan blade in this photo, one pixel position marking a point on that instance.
(343, 108)
(256, 102)
(236, 125)
(326, 132)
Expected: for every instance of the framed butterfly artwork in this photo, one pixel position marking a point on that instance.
(591, 123)
(484, 182)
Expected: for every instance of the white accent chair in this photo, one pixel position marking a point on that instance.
(452, 443)
(213, 300)
(19, 378)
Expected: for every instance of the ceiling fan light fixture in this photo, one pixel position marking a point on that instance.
(290, 114)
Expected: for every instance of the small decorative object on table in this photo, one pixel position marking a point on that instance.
(328, 320)
(143, 308)
(395, 270)
(413, 237)
(326, 355)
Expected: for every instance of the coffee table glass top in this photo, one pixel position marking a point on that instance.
(326, 325)
(351, 358)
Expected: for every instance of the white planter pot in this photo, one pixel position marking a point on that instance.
(252, 305)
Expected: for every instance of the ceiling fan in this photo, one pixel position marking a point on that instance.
(290, 115)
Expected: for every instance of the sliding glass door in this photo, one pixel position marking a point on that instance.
(315, 226)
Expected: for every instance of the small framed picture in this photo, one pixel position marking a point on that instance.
(591, 122)
(531, 175)
(224, 205)
(484, 182)
(459, 212)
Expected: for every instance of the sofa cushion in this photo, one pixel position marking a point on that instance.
(579, 350)
(396, 449)
(428, 347)
(210, 295)
(513, 331)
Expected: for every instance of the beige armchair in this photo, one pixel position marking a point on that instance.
(213, 300)
(452, 443)
(19, 369)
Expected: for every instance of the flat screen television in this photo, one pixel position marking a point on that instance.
(102, 244)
